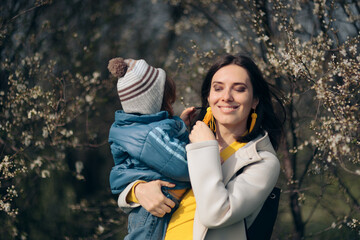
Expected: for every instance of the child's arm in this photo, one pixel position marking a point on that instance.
(164, 150)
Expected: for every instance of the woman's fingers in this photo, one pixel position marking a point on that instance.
(201, 132)
(165, 184)
(170, 203)
(151, 198)
(161, 206)
(187, 115)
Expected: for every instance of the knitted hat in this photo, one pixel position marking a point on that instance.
(140, 86)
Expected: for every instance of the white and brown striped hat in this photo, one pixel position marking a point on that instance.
(141, 89)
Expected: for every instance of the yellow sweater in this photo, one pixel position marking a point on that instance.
(181, 223)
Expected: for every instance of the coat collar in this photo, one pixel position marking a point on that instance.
(246, 155)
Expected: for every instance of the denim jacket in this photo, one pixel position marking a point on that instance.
(148, 147)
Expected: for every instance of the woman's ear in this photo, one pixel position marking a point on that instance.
(255, 103)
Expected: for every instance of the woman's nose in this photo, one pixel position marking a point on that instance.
(228, 96)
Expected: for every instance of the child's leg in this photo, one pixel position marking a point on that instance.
(144, 225)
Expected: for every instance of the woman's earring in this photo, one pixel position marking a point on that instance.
(209, 119)
(253, 120)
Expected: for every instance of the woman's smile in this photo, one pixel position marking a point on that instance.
(231, 97)
(228, 109)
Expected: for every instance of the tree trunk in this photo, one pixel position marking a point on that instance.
(290, 164)
(294, 195)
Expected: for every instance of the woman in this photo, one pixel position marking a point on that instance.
(232, 171)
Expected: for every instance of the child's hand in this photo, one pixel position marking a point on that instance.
(151, 198)
(201, 132)
(188, 115)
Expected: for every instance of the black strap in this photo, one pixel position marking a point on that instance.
(264, 222)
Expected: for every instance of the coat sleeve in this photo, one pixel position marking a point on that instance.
(221, 205)
(125, 206)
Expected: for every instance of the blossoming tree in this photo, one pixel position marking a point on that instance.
(56, 100)
(309, 51)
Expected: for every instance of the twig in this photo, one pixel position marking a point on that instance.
(28, 10)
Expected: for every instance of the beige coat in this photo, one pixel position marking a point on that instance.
(223, 199)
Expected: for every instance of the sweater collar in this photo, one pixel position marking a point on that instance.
(246, 155)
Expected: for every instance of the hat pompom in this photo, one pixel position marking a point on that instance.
(117, 67)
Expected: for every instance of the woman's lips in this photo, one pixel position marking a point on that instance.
(228, 109)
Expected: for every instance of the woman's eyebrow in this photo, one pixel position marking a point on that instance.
(234, 84)
(240, 84)
(216, 82)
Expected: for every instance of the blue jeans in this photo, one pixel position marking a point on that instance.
(144, 225)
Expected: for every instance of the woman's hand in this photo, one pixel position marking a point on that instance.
(201, 132)
(151, 198)
(188, 115)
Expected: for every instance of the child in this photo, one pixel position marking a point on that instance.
(147, 142)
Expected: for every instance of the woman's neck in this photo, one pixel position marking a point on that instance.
(226, 136)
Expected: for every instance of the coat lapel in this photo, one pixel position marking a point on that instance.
(243, 157)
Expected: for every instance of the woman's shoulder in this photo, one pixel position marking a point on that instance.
(260, 149)
(262, 143)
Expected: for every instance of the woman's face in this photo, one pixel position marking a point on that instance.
(231, 98)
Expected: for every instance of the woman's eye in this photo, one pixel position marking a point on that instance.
(240, 89)
(216, 89)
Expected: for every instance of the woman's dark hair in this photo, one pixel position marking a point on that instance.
(169, 96)
(266, 120)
